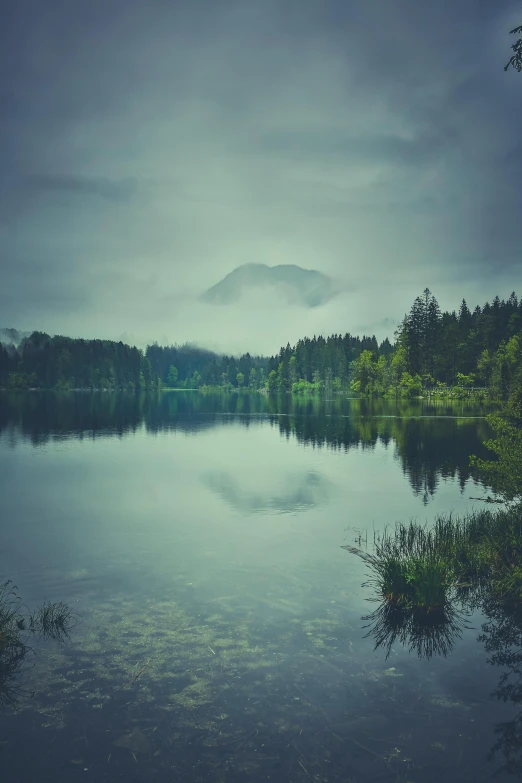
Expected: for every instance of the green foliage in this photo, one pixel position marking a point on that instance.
(435, 354)
(323, 364)
(504, 474)
(283, 379)
(409, 386)
(305, 387)
(272, 382)
(364, 373)
(195, 381)
(416, 568)
(292, 369)
(63, 363)
(172, 377)
(413, 568)
(20, 380)
(465, 381)
(197, 367)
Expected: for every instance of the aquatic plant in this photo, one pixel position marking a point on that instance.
(412, 569)
(421, 574)
(50, 621)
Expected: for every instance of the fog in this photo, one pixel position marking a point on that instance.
(150, 149)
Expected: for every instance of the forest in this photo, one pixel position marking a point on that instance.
(190, 367)
(467, 353)
(433, 352)
(64, 363)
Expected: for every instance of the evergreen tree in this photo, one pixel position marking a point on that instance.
(172, 377)
(515, 61)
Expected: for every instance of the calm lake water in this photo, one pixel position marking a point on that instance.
(221, 637)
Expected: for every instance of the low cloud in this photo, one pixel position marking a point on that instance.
(145, 156)
(112, 190)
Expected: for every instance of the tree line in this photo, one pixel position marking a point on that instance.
(191, 367)
(433, 350)
(317, 364)
(64, 363)
(41, 361)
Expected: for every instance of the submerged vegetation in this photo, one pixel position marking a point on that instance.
(49, 621)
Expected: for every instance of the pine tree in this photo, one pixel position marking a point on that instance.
(415, 336)
(432, 338)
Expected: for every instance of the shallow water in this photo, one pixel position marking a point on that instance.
(198, 539)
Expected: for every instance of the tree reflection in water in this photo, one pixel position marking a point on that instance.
(502, 639)
(430, 634)
(425, 453)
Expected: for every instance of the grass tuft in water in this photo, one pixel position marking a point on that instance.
(423, 570)
(50, 621)
(412, 570)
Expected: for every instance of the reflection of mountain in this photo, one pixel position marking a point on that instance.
(427, 449)
(299, 493)
(298, 286)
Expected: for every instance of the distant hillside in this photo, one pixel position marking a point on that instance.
(305, 287)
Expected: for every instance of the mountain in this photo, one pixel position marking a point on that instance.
(305, 287)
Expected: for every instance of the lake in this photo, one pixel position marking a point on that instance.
(197, 537)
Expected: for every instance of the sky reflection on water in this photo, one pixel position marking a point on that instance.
(206, 548)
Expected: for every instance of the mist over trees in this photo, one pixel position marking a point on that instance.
(64, 363)
(432, 350)
(191, 367)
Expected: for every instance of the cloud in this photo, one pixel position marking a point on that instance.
(297, 493)
(145, 155)
(373, 149)
(112, 190)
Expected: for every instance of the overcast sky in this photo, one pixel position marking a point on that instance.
(147, 148)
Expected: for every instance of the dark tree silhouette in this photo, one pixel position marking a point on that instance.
(515, 60)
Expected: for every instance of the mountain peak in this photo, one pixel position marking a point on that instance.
(305, 287)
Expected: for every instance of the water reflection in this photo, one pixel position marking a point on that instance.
(297, 493)
(435, 634)
(502, 639)
(49, 622)
(425, 634)
(427, 454)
